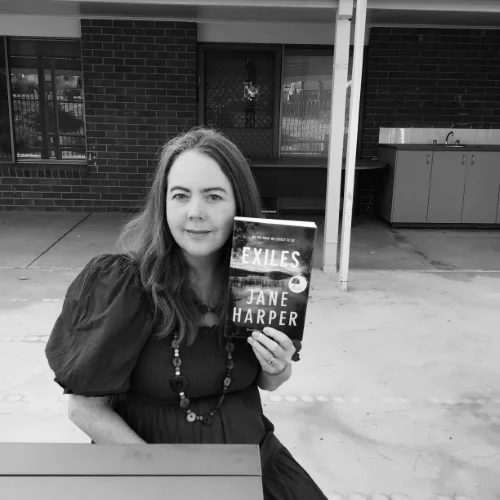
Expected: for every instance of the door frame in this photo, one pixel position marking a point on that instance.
(275, 49)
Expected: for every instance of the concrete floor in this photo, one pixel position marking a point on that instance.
(398, 390)
(375, 245)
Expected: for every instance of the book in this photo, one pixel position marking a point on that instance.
(269, 276)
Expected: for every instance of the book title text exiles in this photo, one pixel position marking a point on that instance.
(266, 257)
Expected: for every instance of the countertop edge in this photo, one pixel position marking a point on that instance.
(440, 147)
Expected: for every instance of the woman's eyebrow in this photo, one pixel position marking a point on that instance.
(205, 190)
(214, 189)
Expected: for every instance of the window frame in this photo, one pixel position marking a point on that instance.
(9, 104)
(40, 70)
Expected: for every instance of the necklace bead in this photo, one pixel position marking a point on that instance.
(179, 383)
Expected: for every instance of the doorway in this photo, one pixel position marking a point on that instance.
(237, 95)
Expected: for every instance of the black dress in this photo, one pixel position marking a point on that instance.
(101, 345)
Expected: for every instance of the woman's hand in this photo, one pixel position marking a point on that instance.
(273, 349)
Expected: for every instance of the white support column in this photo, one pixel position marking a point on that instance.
(337, 127)
(352, 139)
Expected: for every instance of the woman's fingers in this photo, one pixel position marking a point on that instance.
(272, 344)
(269, 344)
(270, 363)
(281, 339)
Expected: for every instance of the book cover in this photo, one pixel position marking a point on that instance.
(269, 275)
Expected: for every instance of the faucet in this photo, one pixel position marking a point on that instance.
(448, 136)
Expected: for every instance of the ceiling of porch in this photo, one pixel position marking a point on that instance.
(477, 13)
(218, 13)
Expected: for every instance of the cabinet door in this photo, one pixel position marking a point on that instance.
(482, 185)
(446, 194)
(411, 186)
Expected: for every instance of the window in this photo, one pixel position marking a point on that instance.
(306, 102)
(47, 99)
(267, 108)
(5, 129)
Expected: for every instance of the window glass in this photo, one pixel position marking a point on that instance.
(47, 99)
(306, 95)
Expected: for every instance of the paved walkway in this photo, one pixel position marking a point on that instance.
(397, 394)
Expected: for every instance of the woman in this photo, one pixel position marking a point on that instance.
(139, 343)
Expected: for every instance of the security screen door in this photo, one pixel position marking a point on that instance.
(237, 95)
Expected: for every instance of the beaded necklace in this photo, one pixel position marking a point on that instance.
(179, 382)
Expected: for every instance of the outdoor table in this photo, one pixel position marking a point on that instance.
(46, 471)
(302, 178)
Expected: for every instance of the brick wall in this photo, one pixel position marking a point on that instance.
(140, 90)
(421, 77)
(44, 187)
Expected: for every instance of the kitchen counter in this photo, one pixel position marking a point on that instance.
(442, 147)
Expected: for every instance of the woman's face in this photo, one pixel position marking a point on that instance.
(200, 205)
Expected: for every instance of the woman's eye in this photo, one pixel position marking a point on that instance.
(178, 196)
(214, 197)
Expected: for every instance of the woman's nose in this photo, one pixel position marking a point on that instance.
(196, 209)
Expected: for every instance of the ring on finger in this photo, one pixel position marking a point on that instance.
(270, 361)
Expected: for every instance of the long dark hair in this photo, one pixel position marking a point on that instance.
(147, 238)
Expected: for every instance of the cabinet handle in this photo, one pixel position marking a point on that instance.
(472, 161)
(428, 158)
(463, 159)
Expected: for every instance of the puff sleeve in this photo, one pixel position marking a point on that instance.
(104, 324)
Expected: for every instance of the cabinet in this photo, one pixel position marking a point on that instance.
(405, 193)
(411, 187)
(447, 185)
(482, 186)
(441, 186)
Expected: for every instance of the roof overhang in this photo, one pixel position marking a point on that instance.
(467, 13)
